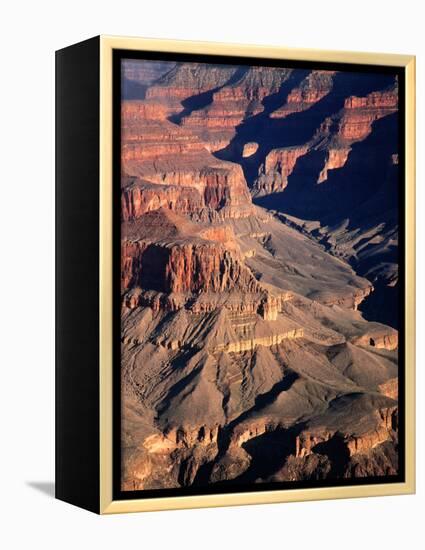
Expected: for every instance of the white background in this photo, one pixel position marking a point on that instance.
(29, 33)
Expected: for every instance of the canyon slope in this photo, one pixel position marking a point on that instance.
(258, 234)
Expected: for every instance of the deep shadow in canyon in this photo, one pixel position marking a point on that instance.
(297, 128)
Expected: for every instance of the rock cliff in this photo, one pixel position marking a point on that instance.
(188, 177)
(354, 123)
(278, 165)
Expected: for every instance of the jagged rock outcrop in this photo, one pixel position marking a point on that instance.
(335, 158)
(359, 443)
(187, 189)
(278, 165)
(386, 339)
(311, 90)
(360, 112)
(186, 267)
(354, 123)
(140, 197)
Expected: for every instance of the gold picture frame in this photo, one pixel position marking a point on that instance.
(107, 504)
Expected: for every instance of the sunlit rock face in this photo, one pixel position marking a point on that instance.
(258, 226)
(278, 166)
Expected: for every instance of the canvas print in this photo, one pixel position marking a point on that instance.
(259, 226)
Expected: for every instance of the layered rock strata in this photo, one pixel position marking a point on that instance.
(354, 123)
(233, 102)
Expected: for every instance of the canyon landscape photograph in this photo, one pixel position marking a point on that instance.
(260, 274)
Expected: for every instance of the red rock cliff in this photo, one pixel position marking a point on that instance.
(353, 123)
(181, 268)
(279, 164)
(159, 152)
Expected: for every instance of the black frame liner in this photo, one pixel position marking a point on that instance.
(118, 56)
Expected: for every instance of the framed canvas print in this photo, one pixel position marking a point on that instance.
(235, 274)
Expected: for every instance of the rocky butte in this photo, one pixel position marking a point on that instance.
(247, 354)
